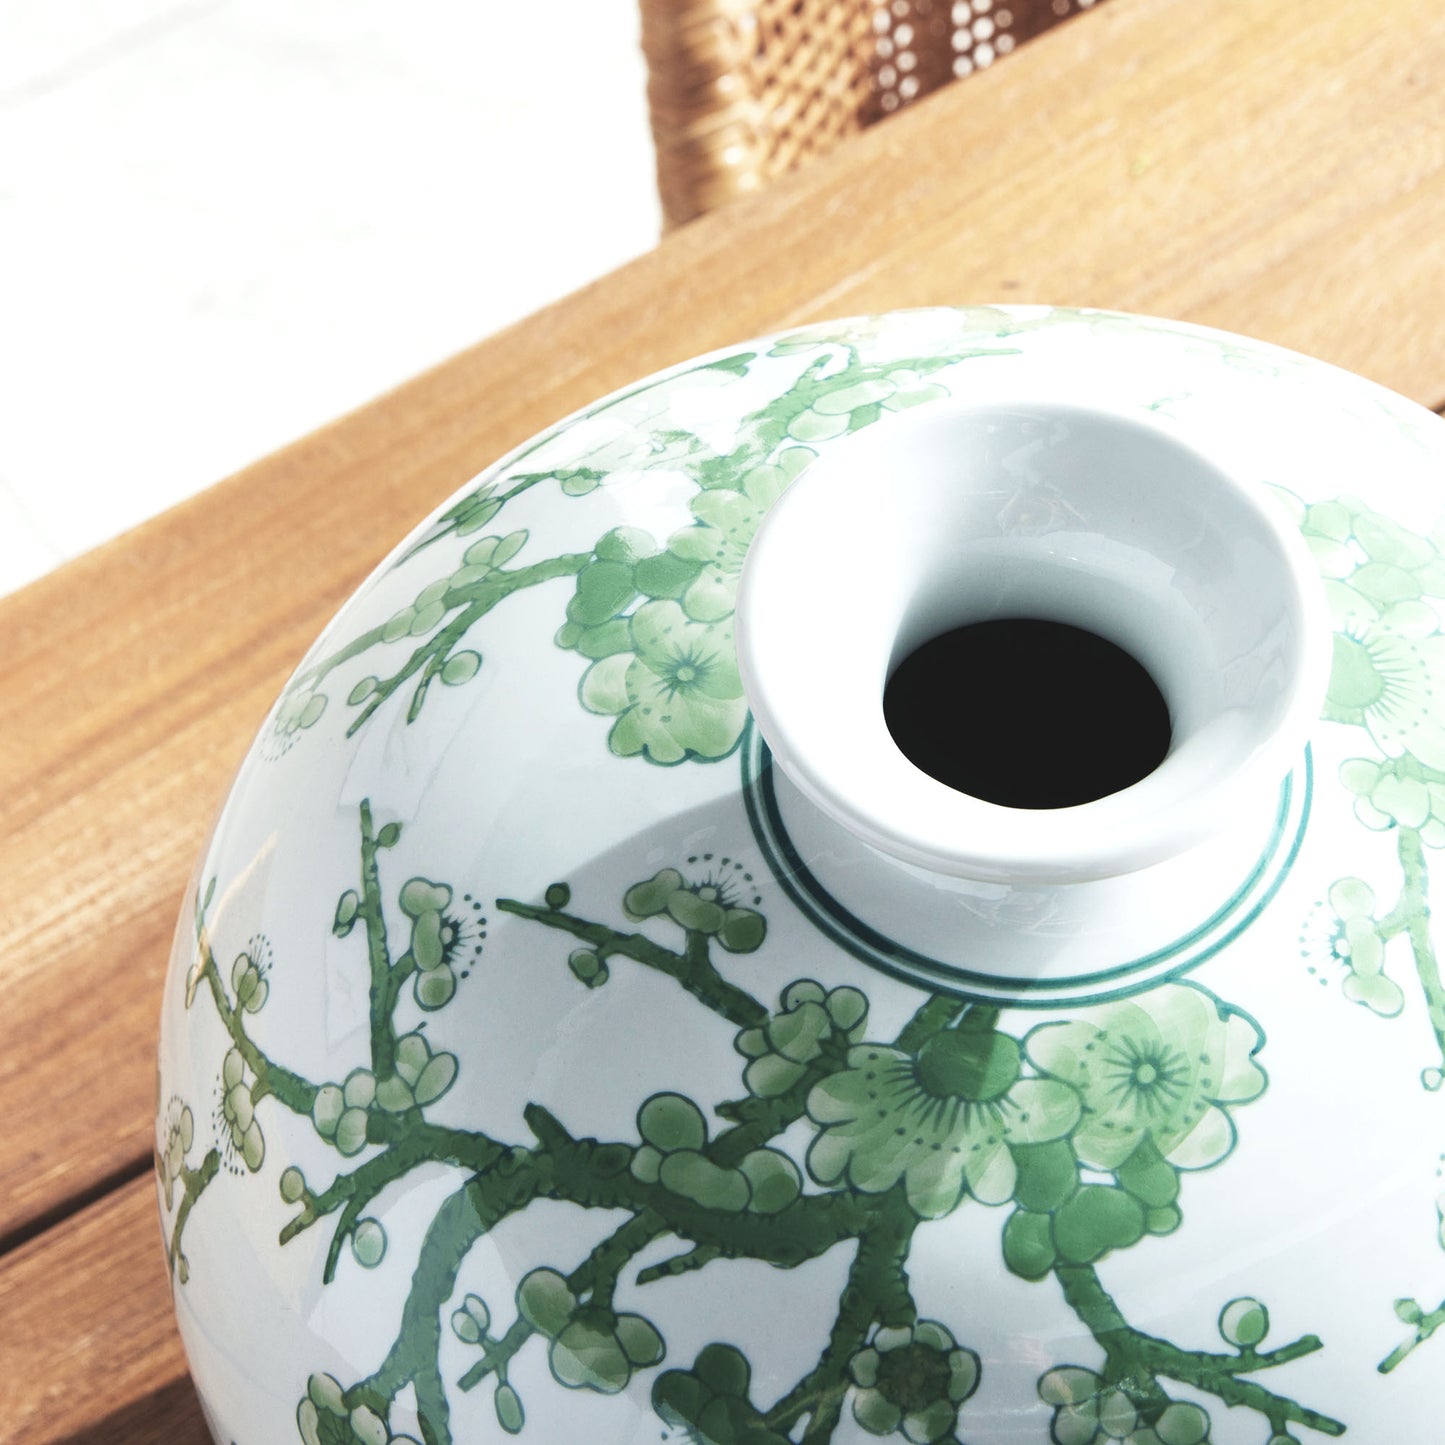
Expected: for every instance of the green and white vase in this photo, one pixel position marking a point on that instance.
(589, 1026)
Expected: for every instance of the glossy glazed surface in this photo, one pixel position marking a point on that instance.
(540, 1059)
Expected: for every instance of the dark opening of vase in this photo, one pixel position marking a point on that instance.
(1027, 713)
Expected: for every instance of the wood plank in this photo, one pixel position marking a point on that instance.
(89, 1353)
(1278, 170)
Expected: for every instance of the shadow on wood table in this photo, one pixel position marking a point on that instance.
(168, 1416)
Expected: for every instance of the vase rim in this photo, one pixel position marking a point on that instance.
(1032, 506)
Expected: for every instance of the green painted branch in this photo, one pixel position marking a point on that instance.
(680, 1264)
(757, 1120)
(931, 1017)
(702, 980)
(450, 518)
(483, 1202)
(296, 1093)
(410, 1143)
(595, 1276)
(1417, 890)
(497, 1359)
(1136, 1357)
(474, 600)
(595, 1175)
(1424, 1328)
(876, 1291)
(383, 1035)
(599, 1272)
(194, 1182)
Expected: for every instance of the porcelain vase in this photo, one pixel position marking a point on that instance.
(588, 1026)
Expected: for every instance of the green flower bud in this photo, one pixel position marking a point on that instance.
(672, 1121)
(351, 1132)
(545, 1301)
(368, 1243)
(509, 1410)
(648, 899)
(434, 987)
(461, 667)
(347, 907)
(584, 1356)
(359, 1089)
(1244, 1322)
(327, 1109)
(639, 1340)
(436, 1078)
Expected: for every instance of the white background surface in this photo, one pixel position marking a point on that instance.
(225, 222)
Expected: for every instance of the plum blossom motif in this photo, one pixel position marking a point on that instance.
(1163, 1066)
(710, 1402)
(727, 520)
(1387, 660)
(854, 404)
(941, 1120)
(676, 693)
(1356, 941)
(324, 1418)
(911, 1381)
(780, 1051)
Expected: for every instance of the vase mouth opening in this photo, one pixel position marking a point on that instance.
(1036, 511)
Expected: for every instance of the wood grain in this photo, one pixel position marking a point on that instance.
(1277, 169)
(89, 1353)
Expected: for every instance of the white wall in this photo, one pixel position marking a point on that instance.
(224, 222)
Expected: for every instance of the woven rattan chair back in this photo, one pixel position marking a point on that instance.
(742, 91)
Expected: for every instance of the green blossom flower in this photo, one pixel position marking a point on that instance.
(421, 1076)
(472, 1321)
(1398, 794)
(911, 1381)
(941, 1121)
(1379, 557)
(1087, 1409)
(340, 1111)
(174, 1145)
(473, 511)
(674, 1137)
(248, 982)
(324, 1418)
(239, 1112)
(852, 404)
(296, 711)
(781, 1050)
(709, 1403)
(435, 937)
(708, 907)
(592, 1347)
(1388, 661)
(1162, 1066)
(675, 693)
(1355, 940)
(727, 520)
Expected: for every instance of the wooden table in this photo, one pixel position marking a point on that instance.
(1260, 165)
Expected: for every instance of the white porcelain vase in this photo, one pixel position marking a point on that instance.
(589, 1025)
